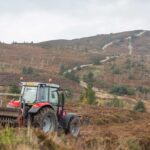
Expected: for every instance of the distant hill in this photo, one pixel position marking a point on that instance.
(50, 55)
(140, 41)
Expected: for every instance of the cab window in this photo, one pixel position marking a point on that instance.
(53, 96)
(43, 94)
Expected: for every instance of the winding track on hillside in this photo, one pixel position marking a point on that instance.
(129, 38)
(130, 47)
(107, 58)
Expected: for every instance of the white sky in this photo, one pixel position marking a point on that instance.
(40, 20)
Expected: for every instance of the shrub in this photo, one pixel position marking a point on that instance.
(89, 78)
(27, 70)
(72, 76)
(122, 90)
(96, 61)
(115, 103)
(140, 107)
(115, 69)
(144, 90)
(133, 144)
(7, 136)
(128, 64)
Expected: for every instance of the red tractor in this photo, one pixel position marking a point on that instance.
(41, 105)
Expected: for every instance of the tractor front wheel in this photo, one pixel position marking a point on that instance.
(46, 120)
(74, 126)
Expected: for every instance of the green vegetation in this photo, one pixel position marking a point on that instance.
(134, 64)
(11, 139)
(115, 102)
(7, 137)
(72, 76)
(133, 145)
(96, 61)
(128, 64)
(140, 107)
(115, 69)
(144, 90)
(89, 96)
(14, 89)
(89, 78)
(122, 90)
(27, 71)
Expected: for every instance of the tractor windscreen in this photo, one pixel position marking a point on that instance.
(29, 94)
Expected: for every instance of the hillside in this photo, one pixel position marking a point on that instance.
(51, 58)
(50, 54)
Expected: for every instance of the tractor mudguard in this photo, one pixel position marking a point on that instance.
(67, 118)
(38, 106)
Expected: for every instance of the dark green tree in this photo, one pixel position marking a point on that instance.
(27, 70)
(14, 88)
(30, 70)
(90, 94)
(24, 70)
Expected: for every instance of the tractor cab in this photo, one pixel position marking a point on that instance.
(35, 93)
(40, 92)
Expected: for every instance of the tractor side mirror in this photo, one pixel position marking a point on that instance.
(67, 93)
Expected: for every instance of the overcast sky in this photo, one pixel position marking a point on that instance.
(40, 20)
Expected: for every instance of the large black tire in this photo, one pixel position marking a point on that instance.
(46, 120)
(74, 126)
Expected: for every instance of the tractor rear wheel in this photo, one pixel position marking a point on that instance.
(46, 120)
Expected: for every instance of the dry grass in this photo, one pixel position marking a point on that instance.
(102, 129)
(30, 139)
